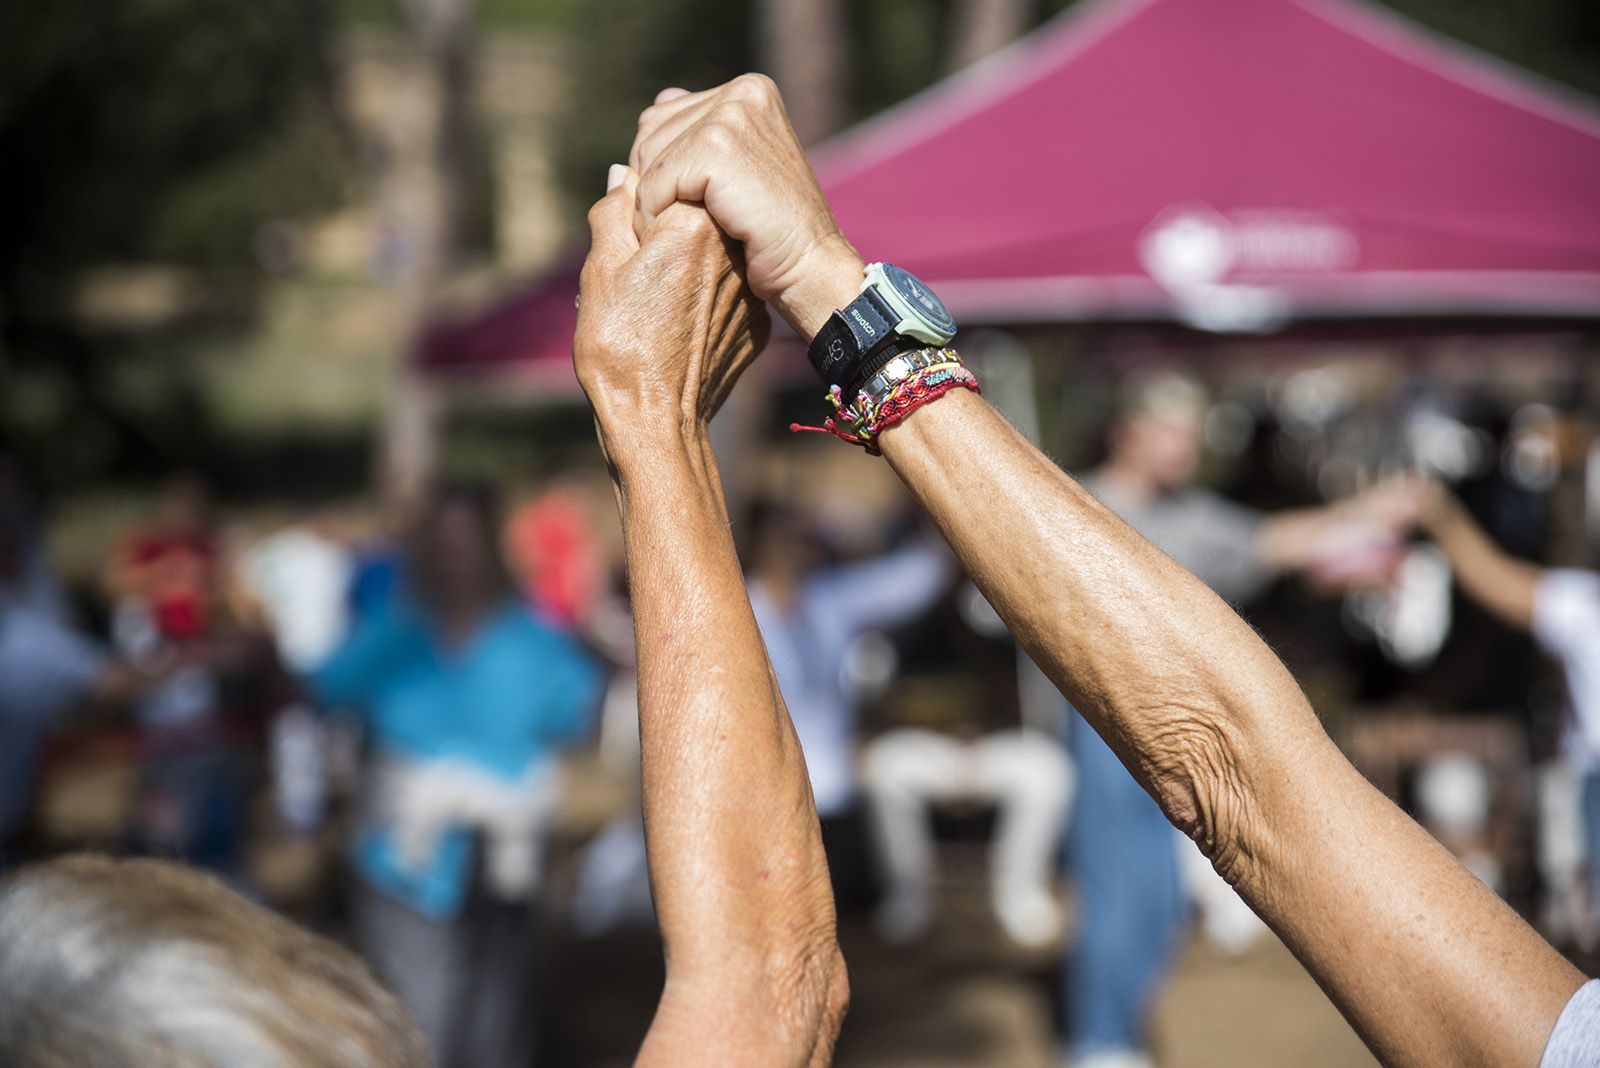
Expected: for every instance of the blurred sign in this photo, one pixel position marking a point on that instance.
(1215, 265)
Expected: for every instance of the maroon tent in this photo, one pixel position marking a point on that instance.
(1228, 163)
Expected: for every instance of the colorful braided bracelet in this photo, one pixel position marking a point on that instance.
(863, 419)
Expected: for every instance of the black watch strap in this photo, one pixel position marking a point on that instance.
(850, 337)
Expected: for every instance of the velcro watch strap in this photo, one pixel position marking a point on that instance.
(850, 337)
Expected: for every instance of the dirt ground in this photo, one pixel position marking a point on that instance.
(963, 997)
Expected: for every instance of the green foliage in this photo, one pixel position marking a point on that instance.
(132, 129)
(624, 52)
(908, 41)
(514, 14)
(1559, 39)
(492, 14)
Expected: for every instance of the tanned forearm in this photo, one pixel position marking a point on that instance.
(1501, 583)
(1427, 964)
(741, 885)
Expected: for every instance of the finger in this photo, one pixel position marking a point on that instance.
(667, 95)
(611, 239)
(678, 175)
(660, 125)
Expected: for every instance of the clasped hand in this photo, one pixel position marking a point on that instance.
(666, 323)
(718, 211)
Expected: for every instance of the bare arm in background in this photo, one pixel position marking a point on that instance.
(1299, 539)
(1428, 965)
(754, 973)
(1495, 579)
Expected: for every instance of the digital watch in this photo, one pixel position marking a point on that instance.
(894, 313)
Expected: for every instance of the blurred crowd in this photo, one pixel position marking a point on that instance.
(389, 723)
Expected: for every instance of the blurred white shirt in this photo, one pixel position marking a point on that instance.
(1566, 622)
(302, 581)
(808, 646)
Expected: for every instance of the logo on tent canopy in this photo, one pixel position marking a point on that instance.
(1219, 268)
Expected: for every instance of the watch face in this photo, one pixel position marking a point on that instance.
(920, 298)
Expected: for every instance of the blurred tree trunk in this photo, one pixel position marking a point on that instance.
(982, 26)
(803, 48)
(421, 203)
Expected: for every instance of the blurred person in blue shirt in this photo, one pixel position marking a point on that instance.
(45, 666)
(467, 700)
(811, 611)
(48, 668)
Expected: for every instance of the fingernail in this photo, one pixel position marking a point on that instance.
(615, 176)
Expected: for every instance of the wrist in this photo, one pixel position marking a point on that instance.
(646, 454)
(950, 417)
(828, 277)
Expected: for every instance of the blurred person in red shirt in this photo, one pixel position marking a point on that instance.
(167, 585)
(170, 569)
(550, 542)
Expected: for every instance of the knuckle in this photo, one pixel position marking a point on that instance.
(650, 118)
(719, 135)
(754, 88)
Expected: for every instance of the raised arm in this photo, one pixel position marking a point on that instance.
(1424, 960)
(1498, 581)
(1428, 965)
(754, 974)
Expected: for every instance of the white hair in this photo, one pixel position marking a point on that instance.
(110, 963)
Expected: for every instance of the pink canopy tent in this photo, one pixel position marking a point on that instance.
(1232, 164)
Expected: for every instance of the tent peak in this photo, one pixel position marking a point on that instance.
(1468, 66)
(971, 89)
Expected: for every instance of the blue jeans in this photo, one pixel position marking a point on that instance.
(1591, 827)
(1131, 909)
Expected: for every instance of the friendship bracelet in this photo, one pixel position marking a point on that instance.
(922, 377)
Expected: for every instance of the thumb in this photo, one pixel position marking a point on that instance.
(612, 239)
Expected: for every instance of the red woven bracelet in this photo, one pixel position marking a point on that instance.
(862, 428)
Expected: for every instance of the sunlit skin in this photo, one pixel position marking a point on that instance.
(1429, 966)
(754, 972)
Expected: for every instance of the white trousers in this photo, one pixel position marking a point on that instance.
(1026, 773)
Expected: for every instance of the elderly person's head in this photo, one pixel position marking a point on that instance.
(1157, 431)
(108, 963)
